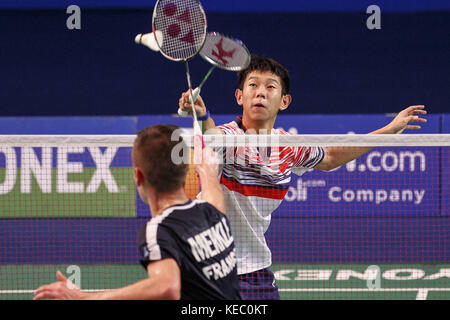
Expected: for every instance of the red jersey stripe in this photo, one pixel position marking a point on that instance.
(268, 193)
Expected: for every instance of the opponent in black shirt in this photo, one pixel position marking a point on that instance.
(198, 237)
(187, 247)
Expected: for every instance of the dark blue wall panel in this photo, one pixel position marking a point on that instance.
(445, 163)
(292, 239)
(359, 240)
(69, 240)
(244, 5)
(336, 64)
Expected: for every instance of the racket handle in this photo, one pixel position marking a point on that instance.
(194, 95)
(182, 113)
(192, 99)
(201, 138)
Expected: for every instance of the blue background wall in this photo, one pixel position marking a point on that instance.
(244, 5)
(337, 65)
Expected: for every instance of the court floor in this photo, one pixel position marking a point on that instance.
(295, 281)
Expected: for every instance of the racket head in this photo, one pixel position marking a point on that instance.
(183, 25)
(225, 52)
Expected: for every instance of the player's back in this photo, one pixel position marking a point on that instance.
(199, 238)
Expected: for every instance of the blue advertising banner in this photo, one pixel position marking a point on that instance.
(68, 125)
(361, 212)
(385, 181)
(185, 123)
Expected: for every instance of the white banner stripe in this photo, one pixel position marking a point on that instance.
(351, 140)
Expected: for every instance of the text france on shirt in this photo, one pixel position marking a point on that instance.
(210, 243)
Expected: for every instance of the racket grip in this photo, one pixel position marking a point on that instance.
(192, 98)
(182, 113)
(194, 95)
(201, 138)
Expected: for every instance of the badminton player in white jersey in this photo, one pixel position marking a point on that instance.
(251, 197)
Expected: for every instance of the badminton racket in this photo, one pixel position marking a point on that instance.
(183, 26)
(222, 52)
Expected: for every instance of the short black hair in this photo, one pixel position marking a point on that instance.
(260, 63)
(152, 152)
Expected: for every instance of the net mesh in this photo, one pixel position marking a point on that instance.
(375, 228)
(183, 25)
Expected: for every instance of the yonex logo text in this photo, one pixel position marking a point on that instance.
(24, 163)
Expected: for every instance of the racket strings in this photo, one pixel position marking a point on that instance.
(225, 52)
(183, 25)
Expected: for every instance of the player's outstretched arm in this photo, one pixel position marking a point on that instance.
(207, 167)
(206, 125)
(406, 119)
(63, 289)
(164, 282)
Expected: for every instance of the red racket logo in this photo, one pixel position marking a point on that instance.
(175, 29)
(170, 9)
(221, 54)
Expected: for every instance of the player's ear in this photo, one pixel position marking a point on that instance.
(238, 95)
(139, 176)
(286, 100)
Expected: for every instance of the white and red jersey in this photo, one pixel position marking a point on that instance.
(254, 185)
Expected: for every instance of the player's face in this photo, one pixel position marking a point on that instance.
(262, 96)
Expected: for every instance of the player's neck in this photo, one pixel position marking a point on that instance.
(161, 201)
(257, 126)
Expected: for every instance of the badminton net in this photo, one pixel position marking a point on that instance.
(375, 228)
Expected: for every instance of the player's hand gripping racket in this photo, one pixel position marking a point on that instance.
(183, 26)
(223, 52)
